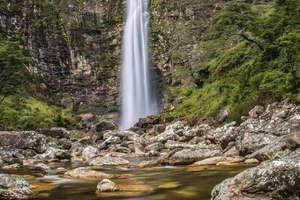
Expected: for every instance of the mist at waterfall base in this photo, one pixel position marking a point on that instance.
(137, 95)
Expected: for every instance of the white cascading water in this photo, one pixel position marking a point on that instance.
(138, 100)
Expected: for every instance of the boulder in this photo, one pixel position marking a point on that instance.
(252, 142)
(165, 136)
(107, 161)
(107, 185)
(24, 140)
(252, 161)
(225, 134)
(89, 153)
(219, 159)
(11, 156)
(256, 112)
(105, 126)
(189, 156)
(158, 146)
(87, 173)
(146, 122)
(14, 188)
(65, 143)
(274, 179)
(53, 154)
(12, 167)
(222, 115)
(292, 141)
(113, 140)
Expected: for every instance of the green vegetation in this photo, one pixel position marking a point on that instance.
(77, 134)
(18, 83)
(30, 114)
(252, 56)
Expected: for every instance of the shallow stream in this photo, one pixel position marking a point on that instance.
(159, 183)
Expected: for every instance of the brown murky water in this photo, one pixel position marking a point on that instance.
(160, 183)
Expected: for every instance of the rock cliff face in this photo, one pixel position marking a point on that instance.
(75, 46)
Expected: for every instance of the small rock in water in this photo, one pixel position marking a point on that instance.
(14, 188)
(13, 166)
(107, 185)
(252, 161)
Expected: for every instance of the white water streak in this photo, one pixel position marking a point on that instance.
(137, 99)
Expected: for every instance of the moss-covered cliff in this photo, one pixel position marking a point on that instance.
(207, 56)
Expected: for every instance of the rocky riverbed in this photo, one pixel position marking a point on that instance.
(269, 137)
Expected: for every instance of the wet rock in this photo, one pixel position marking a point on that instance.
(40, 167)
(189, 156)
(89, 153)
(225, 164)
(274, 179)
(24, 140)
(107, 185)
(216, 160)
(252, 161)
(14, 188)
(158, 146)
(87, 173)
(147, 164)
(106, 161)
(11, 167)
(105, 126)
(53, 154)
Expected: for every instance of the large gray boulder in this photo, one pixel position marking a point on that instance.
(105, 126)
(274, 179)
(24, 140)
(14, 188)
(189, 156)
(53, 154)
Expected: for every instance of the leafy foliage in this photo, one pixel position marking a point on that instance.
(253, 56)
(30, 114)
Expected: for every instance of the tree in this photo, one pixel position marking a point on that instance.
(238, 18)
(289, 45)
(13, 70)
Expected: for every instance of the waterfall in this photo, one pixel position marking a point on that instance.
(138, 100)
